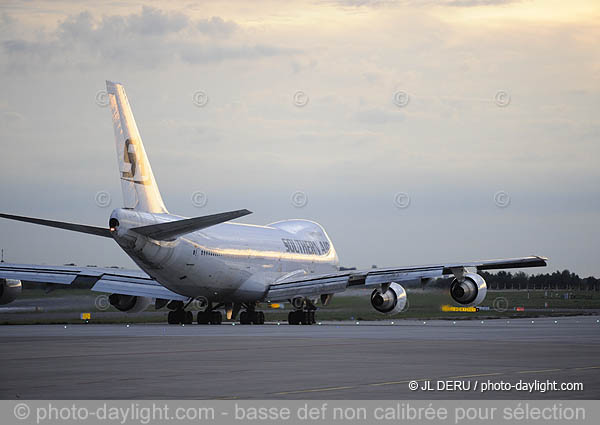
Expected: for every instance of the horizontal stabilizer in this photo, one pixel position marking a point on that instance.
(172, 229)
(81, 228)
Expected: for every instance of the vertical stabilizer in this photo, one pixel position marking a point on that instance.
(140, 191)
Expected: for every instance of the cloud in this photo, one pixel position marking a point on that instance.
(7, 24)
(150, 38)
(155, 22)
(11, 118)
(474, 3)
(195, 54)
(418, 3)
(216, 26)
(377, 116)
(300, 66)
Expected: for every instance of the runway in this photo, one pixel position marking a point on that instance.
(370, 360)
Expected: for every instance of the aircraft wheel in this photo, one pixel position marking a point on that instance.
(203, 318)
(293, 318)
(189, 318)
(244, 319)
(259, 318)
(172, 318)
(177, 317)
(216, 318)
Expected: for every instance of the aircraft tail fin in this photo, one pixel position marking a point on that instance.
(140, 191)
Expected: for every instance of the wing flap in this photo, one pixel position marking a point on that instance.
(140, 288)
(402, 276)
(307, 288)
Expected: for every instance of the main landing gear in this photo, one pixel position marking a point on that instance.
(304, 313)
(179, 316)
(301, 317)
(252, 317)
(210, 316)
(182, 317)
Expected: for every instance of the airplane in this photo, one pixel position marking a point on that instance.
(229, 266)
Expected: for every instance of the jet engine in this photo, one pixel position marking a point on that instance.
(470, 291)
(10, 289)
(392, 301)
(129, 303)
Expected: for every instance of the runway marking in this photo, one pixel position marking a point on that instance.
(475, 376)
(380, 384)
(44, 386)
(102, 381)
(151, 353)
(314, 390)
(539, 371)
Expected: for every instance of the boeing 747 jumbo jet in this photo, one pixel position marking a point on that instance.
(231, 267)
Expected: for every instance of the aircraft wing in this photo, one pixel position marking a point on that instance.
(316, 284)
(109, 280)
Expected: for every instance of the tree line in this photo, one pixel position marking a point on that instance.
(557, 280)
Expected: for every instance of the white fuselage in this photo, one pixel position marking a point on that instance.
(228, 262)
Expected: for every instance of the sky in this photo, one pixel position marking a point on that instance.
(415, 131)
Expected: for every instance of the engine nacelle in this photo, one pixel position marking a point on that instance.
(391, 301)
(471, 291)
(129, 303)
(10, 289)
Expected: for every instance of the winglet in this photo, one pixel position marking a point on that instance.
(172, 229)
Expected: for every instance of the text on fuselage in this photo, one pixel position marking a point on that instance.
(306, 247)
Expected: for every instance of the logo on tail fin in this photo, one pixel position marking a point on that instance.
(131, 158)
